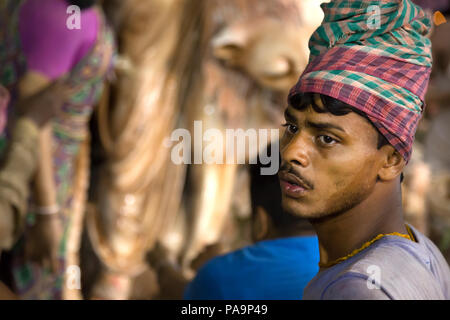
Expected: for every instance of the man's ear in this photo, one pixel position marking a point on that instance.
(392, 164)
(260, 228)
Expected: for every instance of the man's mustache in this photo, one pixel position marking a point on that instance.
(287, 168)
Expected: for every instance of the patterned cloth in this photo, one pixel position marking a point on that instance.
(70, 131)
(4, 100)
(379, 64)
(12, 61)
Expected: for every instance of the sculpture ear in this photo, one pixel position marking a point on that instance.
(229, 44)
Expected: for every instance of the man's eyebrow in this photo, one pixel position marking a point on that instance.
(324, 125)
(289, 116)
(317, 125)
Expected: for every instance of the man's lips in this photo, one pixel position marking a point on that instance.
(291, 185)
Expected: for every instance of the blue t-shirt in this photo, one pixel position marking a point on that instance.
(268, 270)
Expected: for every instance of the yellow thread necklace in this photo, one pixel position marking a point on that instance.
(408, 236)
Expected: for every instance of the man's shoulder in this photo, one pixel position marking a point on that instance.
(400, 268)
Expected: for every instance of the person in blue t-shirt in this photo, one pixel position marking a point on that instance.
(281, 262)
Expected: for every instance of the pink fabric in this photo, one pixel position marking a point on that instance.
(48, 45)
(4, 99)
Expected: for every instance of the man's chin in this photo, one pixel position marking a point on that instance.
(296, 208)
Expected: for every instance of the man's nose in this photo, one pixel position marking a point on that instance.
(296, 151)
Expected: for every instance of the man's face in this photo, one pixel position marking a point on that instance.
(329, 163)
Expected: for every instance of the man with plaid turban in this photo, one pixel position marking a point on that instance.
(351, 122)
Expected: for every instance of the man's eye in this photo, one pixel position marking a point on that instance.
(290, 128)
(326, 140)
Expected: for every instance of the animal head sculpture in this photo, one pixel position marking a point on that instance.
(268, 40)
(256, 50)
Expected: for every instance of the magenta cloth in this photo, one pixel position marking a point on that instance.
(49, 46)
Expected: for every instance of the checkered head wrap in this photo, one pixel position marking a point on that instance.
(376, 57)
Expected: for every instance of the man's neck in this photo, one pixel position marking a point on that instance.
(380, 213)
